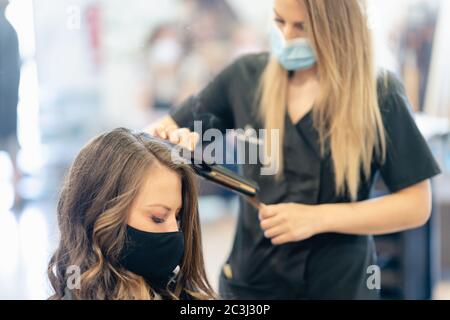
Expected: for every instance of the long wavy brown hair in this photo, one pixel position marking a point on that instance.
(92, 213)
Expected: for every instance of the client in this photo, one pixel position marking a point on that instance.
(129, 224)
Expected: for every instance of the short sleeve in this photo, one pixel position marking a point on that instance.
(409, 159)
(212, 102)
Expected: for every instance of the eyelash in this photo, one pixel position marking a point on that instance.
(160, 221)
(300, 27)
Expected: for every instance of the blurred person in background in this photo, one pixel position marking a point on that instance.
(209, 25)
(9, 92)
(162, 57)
(413, 41)
(164, 52)
(181, 56)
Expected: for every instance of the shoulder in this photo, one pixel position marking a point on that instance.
(391, 93)
(253, 62)
(249, 65)
(388, 82)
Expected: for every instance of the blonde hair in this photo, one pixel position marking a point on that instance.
(346, 113)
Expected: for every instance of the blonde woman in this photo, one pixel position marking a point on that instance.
(341, 123)
(129, 225)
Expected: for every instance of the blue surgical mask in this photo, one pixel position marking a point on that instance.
(293, 55)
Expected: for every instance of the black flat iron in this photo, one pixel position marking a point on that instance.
(222, 176)
(218, 174)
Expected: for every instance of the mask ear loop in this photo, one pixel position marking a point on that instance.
(175, 273)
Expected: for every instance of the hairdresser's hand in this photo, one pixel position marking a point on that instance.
(290, 222)
(179, 136)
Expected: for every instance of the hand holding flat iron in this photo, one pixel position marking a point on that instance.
(290, 222)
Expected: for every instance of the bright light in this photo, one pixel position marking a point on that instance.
(34, 245)
(20, 14)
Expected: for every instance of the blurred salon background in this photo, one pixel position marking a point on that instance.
(70, 69)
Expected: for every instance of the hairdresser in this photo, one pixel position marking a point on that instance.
(341, 122)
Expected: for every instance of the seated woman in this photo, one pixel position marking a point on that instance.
(128, 219)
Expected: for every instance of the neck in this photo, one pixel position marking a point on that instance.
(302, 76)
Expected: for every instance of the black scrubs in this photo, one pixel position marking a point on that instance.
(327, 266)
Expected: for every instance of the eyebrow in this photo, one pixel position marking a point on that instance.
(279, 16)
(163, 206)
(275, 11)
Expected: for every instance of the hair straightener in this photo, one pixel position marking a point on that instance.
(220, 175)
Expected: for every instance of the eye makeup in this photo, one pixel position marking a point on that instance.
(159, 213)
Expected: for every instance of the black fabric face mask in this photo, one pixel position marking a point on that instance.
(154, 256)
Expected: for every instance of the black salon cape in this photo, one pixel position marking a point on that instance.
(327, 266)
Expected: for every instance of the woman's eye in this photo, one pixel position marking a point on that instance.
(279, 21)
(300, 26)
(157, 220)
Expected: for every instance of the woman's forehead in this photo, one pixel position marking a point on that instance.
(290, 10)
(161, 185)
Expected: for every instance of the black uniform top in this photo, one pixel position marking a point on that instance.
(327, 265)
